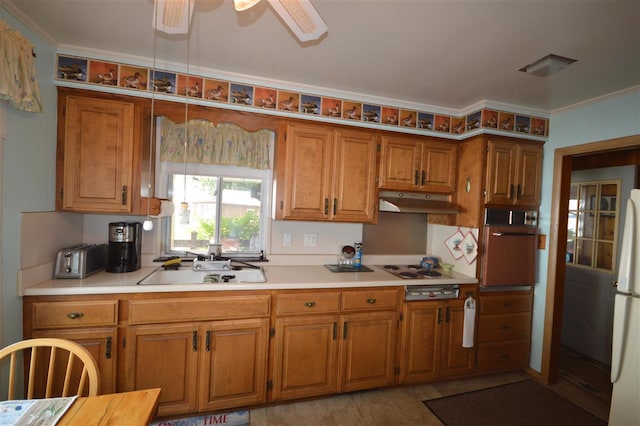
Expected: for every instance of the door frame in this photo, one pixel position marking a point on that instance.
(562, 167)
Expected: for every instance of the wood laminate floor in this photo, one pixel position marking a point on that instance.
(402, 405)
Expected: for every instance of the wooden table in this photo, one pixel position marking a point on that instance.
(126, 408)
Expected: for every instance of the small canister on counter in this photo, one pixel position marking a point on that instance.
(357, 259)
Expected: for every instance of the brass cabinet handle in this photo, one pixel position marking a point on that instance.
(309, 304)
(75, 315)
(371, 301)
(335, 206)
(424, 177)
(416, 178)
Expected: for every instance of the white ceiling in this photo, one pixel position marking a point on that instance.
(446, 54)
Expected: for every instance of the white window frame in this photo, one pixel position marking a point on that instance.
(165, 168)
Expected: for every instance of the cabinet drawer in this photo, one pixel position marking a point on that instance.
(198, 309)
(307, 303)
(369, 300)
(74, 314)
(503, 355)
(496, 327)
(505, 303)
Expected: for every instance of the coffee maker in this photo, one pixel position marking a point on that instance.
(125, 245)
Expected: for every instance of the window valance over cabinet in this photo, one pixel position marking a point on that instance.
(18, 80)
(224, 144)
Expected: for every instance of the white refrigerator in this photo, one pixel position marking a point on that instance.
(625, 359)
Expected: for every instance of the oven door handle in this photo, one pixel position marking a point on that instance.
(513, 234)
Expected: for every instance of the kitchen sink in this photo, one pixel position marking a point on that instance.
(189, 276)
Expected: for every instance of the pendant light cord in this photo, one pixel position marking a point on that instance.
(153, 101)
(186, 110)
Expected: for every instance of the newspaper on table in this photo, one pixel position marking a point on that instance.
(34, 412)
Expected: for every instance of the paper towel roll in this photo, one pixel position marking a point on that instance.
(469, 322)
(166, 208)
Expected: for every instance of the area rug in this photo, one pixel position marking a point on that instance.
(235, 418)
(521, 403)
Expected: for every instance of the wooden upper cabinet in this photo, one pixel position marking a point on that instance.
(97, 158)
(417, 164)
(514, 172)
(326, 174)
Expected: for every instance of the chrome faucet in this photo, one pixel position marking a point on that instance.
(211, 265)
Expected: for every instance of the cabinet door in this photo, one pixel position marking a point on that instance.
(234, 364)
(367, 350)
(98, 155)
(438, 167)
(101, 343)
(529, 175)
(501, 169)
(400, 163)
(307, 173)
(455, 360)
(164, 356)
(354, 185)
(305, 356)
(420, 341)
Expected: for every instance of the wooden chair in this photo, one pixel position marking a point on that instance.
(58, 351)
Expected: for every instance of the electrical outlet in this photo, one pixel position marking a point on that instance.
(310, 240)
(286, 239)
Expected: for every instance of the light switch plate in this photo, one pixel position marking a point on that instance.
(310, 240)
(287, 239)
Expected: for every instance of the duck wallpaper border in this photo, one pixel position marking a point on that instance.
(137, 78)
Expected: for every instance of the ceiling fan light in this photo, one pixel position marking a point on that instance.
(241, 5)
(172, 16)
(301, 17)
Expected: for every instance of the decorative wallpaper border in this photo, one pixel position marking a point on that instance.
(97, 72)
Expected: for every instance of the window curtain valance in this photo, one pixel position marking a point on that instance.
(18, 80)
(224, 144)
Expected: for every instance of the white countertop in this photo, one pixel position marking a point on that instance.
(278, 277)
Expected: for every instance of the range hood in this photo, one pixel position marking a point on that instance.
(408, 202)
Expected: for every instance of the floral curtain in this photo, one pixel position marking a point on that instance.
(18, 82)
(224, 144)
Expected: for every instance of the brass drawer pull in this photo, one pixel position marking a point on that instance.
(371, 301)
(310, 304)
(75, 315)
(507, 305)
(506, 327)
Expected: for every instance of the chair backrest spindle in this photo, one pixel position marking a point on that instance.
(80, 371)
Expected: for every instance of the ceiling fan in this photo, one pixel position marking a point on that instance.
(174, 16)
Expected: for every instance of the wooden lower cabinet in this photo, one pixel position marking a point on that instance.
(431, 342)
(367, 350)
(165, 356)
(234, 364)
(200, 366)
(305, 356)
(101, 343)
(212, 351)
(319, 351)
(504, 331)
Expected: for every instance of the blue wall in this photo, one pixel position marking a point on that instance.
(606, 118)
(28, 175)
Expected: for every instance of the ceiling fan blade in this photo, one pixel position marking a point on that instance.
(172, 16)
(301, 17)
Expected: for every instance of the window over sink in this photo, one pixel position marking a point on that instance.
(213, 203)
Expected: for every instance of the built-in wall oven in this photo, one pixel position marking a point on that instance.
(509, 247)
